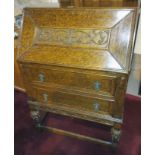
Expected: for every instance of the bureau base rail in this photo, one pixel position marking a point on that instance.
(75, 135)
(39, 117)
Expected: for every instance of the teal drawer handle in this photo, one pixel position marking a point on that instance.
(45, 97)
(97, 85)
(96, 106)
(41, 77)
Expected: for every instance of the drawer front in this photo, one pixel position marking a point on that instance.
(105, 84)
(72, 101)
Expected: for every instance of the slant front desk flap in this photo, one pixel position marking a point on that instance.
(88, 38)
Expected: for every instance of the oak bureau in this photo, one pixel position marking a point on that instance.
(76, 62)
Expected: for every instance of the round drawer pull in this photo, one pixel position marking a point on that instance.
(45, 96)
(96, 106)
(97, 85)
(41, 77)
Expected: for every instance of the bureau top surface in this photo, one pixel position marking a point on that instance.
(82, 38)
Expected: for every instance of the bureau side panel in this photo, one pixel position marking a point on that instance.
(121, 40)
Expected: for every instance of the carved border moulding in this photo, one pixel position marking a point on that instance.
(97, 38)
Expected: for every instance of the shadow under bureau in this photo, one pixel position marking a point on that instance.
(76, 62)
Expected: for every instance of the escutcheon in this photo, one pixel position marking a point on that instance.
(45, 96)
(96, 106)
(41, 77)
(97, 85)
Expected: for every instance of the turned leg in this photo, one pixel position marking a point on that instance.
(35, 115)
(116, 132)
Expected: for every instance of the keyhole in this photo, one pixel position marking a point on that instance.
(97, 85)
(41, 77)
(96, 106)
(45, 96)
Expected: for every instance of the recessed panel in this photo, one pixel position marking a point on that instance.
(120, 40)
(96, 38)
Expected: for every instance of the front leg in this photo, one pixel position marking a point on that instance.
(116, 132)
(35, 115)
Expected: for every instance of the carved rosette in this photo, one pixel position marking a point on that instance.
(115, 135)
(35, 115)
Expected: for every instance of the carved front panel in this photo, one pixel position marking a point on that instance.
(105, 32)
(75, 37)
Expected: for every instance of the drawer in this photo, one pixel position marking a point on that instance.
(100, 83)
(73, 101)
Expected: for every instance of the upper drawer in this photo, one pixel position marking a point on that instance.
(84, 81)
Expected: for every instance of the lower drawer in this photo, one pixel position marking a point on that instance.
(71, 100)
